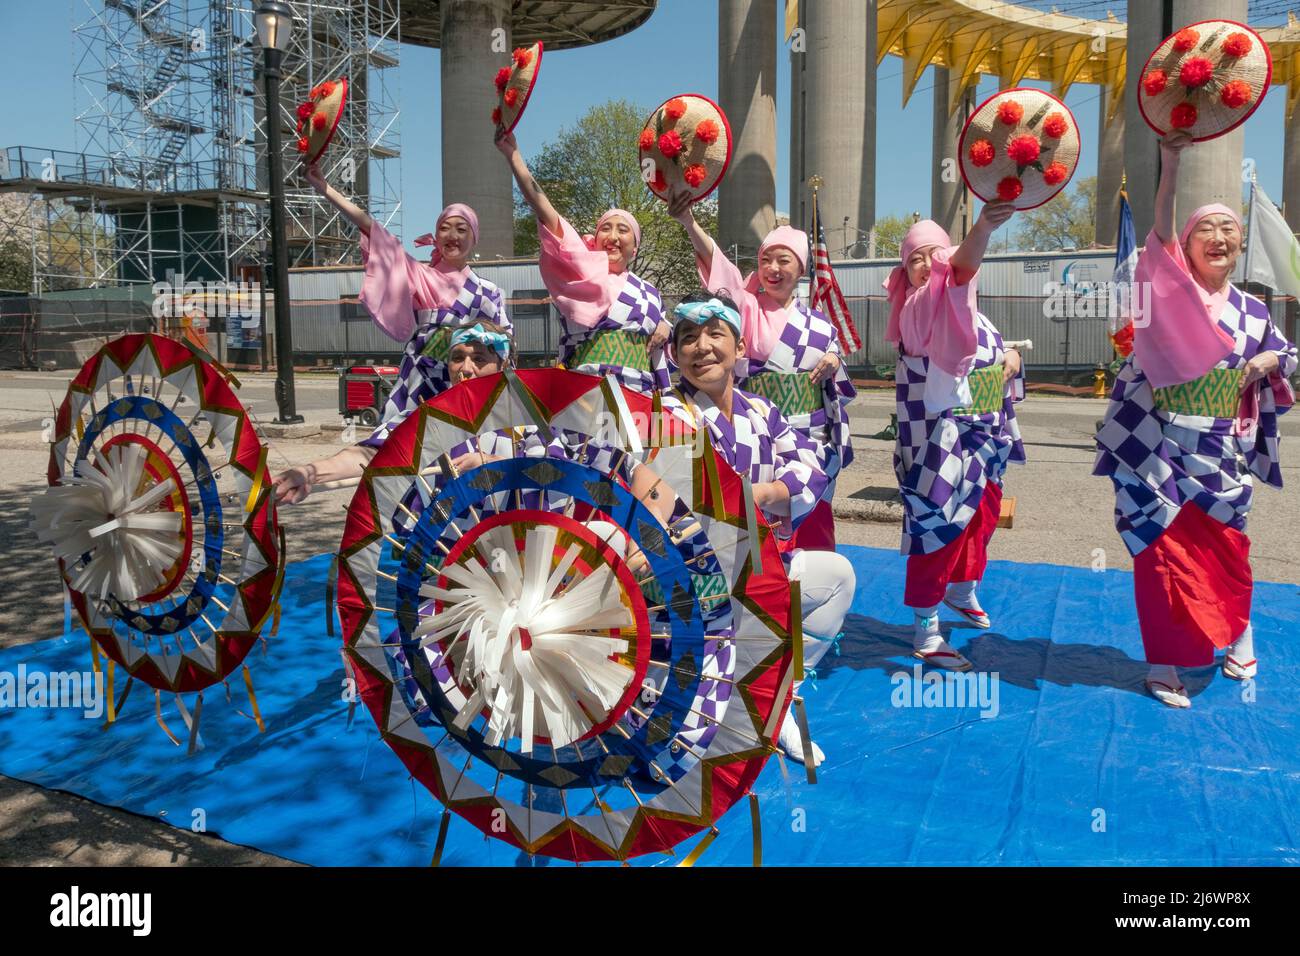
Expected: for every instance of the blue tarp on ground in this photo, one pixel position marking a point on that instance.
(1076, 766)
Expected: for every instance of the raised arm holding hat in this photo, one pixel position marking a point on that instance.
(956, 384)
(1192, 421)
(613, 319)
(793, 356)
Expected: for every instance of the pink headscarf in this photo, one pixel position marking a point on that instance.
(1210, 209)
(796, 240)
(1170, 345)
(923, 234)
(455, 209)
(610, 214)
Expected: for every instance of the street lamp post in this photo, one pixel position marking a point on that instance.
(274, 30)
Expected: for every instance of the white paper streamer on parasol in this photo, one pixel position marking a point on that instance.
(528, 652)
(107, 513)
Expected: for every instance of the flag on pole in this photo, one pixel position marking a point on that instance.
(825, 294)
(1126, 257)
(1272, 252)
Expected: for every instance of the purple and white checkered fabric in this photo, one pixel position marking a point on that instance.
(757, 442)
(1160, 461)
(800, 347)
(943, 461)
(422, 377)
(637, 309)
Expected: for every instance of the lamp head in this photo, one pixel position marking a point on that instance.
(274, 21)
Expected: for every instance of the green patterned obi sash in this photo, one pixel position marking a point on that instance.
(1216, 394)
(616, 347)
(792, 392)
(987, 391)
(438, 345)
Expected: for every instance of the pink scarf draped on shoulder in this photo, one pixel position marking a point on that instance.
(763, 321)
(936, 319)
(1178, 337)
(397, 285)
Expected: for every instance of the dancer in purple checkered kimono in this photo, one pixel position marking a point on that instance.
(783, 466)
(793, 352)
(956, 381)
(420, 303)
(1191, 423)
(613, 319)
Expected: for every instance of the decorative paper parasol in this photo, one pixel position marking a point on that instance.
(161, 515)
(688, 140)
(549, 660)
(1206, 79)
(318, 118)
(515, 85)
(1021, 146)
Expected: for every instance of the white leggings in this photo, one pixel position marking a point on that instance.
(826, 585)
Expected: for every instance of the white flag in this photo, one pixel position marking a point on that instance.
(1274, 254)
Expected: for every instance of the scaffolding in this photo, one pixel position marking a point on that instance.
(169, 180)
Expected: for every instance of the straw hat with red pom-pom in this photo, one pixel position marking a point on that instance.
(515, 85)
(1019, 146)
(318, 118)
(688, 140)
(1206, 79)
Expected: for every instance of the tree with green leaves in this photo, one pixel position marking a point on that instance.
(1066, 221)
(594, 166)
(890, 231)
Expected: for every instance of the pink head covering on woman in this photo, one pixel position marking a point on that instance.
(455, 209)
(610, 214)
(936, 319)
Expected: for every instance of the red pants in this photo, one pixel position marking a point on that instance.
(964, 559)
(817, 530)
(1193, 588)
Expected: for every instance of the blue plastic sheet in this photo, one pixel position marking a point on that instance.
(1075, 765)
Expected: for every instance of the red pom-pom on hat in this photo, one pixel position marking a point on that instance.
(302, 144)
(304, 110)
(522, 57)
(981, 152)
(1155, 82)
(1056, 125)
(647, 139)
(706, 131)
(510, 97)
(670, 143)
(319, 121)
(1237, 45)
(1024, 149)
(1195, 71)
(327, 88)
(503, 77)
(1236, 93)
(1183, 116)
(675, 108)
(496, 115)
(1009, 189)
(1055, 174)
(1186, 39)
(694, 175)
(659, 184)
(1010, 112)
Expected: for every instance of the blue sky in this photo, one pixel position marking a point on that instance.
(674, 51)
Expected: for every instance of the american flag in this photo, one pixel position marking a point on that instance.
(826, 296)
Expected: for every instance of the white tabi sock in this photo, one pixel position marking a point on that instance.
(962, 594)
(1243, 648)
(925, 630)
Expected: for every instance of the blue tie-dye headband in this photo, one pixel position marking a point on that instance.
(701, 312)
(476, 333)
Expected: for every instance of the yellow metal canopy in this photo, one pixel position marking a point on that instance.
(1015, 43)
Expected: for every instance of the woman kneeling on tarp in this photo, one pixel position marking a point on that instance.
(1192, 417)
(752, 436)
